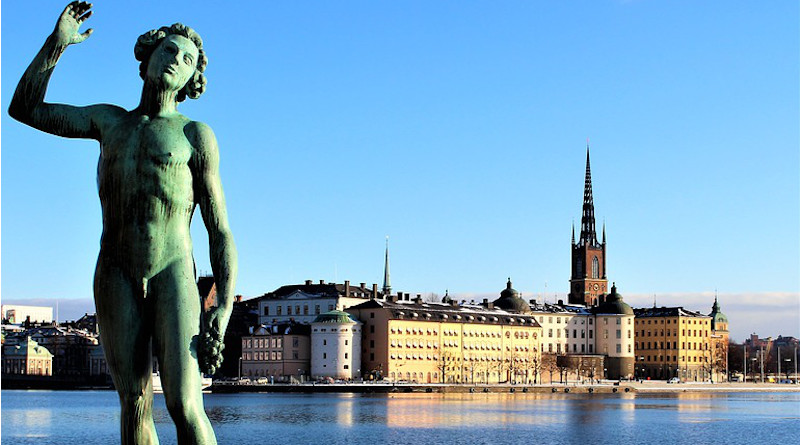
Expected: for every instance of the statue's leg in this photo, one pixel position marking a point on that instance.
(125, 334)
(176, 336)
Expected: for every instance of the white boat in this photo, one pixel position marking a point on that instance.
(157, 388)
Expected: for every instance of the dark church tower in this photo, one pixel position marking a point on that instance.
(588, 278)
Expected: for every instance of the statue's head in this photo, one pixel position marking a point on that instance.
(177, 57)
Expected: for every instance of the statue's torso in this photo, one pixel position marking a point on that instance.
(144, 179)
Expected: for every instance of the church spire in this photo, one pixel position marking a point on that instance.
(588, 233)
(387, 284)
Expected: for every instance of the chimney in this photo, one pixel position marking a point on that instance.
(454, 303)
(321, 281)
(485, 302)
(393, 298)
(363, 285)
(418, 300)
(308, 282)
(490, 306)
(374, 291)
(561, 302)
(237, 299)
(346, 288)
(533, 302)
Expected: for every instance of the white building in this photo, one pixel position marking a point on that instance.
(336, 346)
(302, 303)
(16, 313)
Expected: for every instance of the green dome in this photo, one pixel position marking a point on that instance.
(510, 301)
(613, 304)
(716, 315)
(334, 316)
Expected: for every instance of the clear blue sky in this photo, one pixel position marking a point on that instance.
(458, 129)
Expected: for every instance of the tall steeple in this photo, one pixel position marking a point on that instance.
(588, 278)
(387, 283)
(588, 233)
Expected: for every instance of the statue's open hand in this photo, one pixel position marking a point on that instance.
(67, 27)
(211, 347)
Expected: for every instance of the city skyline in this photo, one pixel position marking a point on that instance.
(460, 132)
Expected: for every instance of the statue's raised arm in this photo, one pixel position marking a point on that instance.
(28, 106)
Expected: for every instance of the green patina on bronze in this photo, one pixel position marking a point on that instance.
(155, 166)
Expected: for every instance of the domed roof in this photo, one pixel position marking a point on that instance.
(510, 301)
(613, 304)
(716, 315)
(335, 316)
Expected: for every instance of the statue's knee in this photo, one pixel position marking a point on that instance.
(182, 410)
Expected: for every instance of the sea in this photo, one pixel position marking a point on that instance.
(92, 417)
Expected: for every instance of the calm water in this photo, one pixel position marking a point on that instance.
(91, 417)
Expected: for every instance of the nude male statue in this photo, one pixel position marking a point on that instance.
(155, 166)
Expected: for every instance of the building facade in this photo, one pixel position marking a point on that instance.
(279, 352)
(673, 342)
(302, 303)
(428, 342)
(336, 346)
(27, 358)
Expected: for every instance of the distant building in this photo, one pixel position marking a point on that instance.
(279, 351)
(302, 303)
(16, 313)
(429, 342)
(70, 347)
(336, 346)
(720, 341)
(27, 358)
(673, 342)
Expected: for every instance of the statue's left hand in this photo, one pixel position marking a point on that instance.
(211, 342)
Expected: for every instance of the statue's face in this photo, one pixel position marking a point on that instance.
(173, 63)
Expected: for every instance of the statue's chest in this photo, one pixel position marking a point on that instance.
(145, 148)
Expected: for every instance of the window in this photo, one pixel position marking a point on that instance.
(595, 268)
(619, 321)
(372, 329)
(372, 356)
(583, 333)
(591, 334)
(324, 342)
(297, 309)
(324, 355)
(330, 307)
(305, 309)
(619, 333)
(316, 309)
(345, 355)
(605, 320)
(372, 315)
(371, 343)
(266, 310)
(295, 342)
(279, 308)
(346, 366)
(574, 333)
(550, 333)
(288, 310)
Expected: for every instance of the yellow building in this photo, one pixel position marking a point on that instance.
(672, 342)
(426, 342)
(27, 358)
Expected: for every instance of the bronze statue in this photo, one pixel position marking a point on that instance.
(155, 166)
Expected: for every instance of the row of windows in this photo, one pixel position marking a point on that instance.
(295, 310)
(669, 333)
(662, 358)
(674, 345)
(669, 321)
(274, 342)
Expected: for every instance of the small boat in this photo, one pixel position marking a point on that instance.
(157, 388)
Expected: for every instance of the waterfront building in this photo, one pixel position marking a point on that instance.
(720, 341)
(431, 342)
(27, 358)
(278, 351)
(614, 322)
(588, 279)
(673, 342)
(302, 303)
(70, 347)
(336, 346)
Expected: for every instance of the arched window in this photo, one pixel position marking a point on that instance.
(595, 268)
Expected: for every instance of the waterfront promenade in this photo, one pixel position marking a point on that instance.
(651, 386)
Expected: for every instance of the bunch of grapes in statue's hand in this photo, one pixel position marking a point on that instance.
(211, 348)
